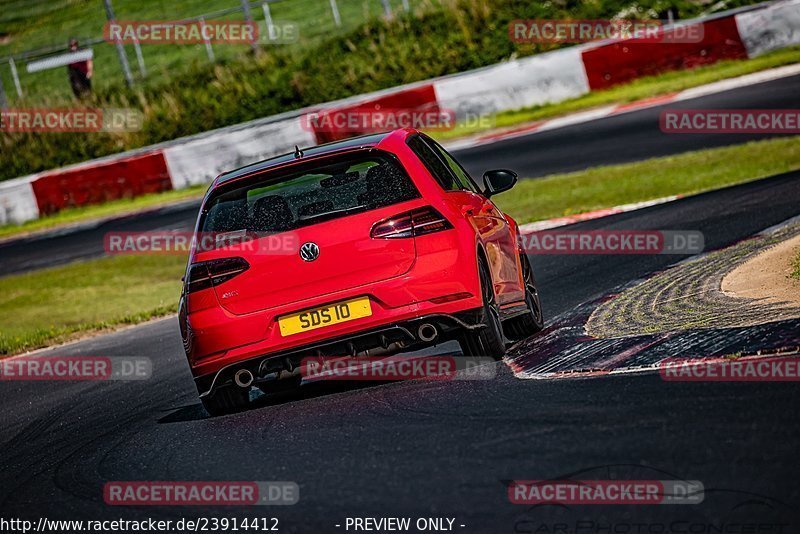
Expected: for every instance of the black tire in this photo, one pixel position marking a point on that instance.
(227, 399)
(523, 326)
(487, 341)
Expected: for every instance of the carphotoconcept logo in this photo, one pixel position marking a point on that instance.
(206, 493)
(71, 120)
(583, 31)
(612, 242)
(730, 121)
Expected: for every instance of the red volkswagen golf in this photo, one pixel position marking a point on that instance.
(374, 245)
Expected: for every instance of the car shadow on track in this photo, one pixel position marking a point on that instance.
(196, 412)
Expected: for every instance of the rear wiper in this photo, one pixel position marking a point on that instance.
(343, 211)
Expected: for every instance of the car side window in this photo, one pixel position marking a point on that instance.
(435, 163)
(463, 178)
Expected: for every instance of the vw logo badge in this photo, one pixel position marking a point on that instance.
(309, 251)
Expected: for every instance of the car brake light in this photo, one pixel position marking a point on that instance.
(205, 274)
(413, 223)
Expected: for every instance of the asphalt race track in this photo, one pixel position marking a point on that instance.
(627, 137)
(431, 448)
(623, 138)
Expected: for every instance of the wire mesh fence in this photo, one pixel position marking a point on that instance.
(34, 37)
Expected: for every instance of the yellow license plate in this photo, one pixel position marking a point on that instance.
(319, 317)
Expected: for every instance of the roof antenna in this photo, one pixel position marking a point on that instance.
(297, 152)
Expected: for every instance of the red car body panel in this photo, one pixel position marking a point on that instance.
(404, 278)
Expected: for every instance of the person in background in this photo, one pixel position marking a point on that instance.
(80, 73)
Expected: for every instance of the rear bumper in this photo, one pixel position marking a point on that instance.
(399, 335)
(215, 338)
(218, 338)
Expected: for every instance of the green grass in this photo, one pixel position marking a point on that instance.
(693, 172)
(114, 208)
(33, 24)
(795, 274)
(648, 87)
(52, 305)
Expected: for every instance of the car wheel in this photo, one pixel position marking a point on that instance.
(527, 324)
(227, 399)
(487, 341)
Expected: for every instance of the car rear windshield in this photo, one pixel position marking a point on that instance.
(309, 194)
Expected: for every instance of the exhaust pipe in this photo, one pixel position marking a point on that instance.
(243, 378)
(427, 332)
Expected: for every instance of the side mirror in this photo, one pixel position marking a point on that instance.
(498, 181)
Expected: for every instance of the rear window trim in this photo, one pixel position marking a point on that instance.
(237, 182)
(468, 176)
(290, 168)
(428, 168)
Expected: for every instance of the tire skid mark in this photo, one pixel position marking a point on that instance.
(689, 295)
(61, 462)
(635, 341)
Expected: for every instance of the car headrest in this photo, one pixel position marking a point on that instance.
(375, 178)
(384, 181)
(271, 214)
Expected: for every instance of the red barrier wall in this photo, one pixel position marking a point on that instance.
(620, 62)
(421, 98)
(122, 178)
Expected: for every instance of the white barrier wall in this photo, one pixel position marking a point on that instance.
(201, 160)
(771, 28)
(531, 81)
(17, 201)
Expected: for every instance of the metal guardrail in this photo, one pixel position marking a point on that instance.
(89, 41)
